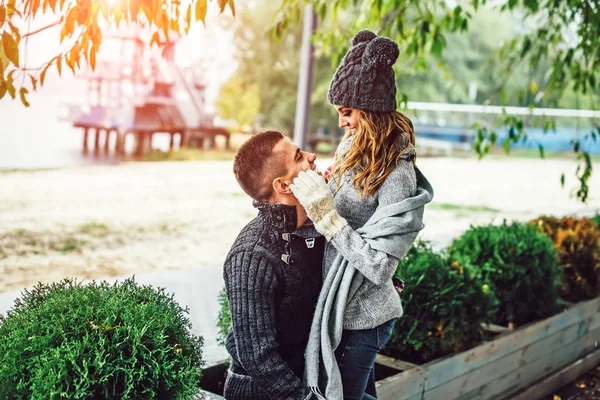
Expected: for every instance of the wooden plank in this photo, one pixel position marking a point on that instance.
(389, 388)
(561, 378)
(495, 328)
(466, 383)
(424, 378)
(515, 381)
(394, 363)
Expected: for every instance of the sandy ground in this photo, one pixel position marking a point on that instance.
(172, 223)
(101, 221)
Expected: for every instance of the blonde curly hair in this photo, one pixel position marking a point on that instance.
(376, 148)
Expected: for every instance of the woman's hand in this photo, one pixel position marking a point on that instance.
(312, 192)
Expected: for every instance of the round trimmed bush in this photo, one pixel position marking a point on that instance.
(444, 307)
(576, 241)
(520, 265)
(98, 341)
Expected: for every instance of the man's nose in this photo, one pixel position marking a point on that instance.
(311, 157)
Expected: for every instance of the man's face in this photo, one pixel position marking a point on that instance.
(294, 159)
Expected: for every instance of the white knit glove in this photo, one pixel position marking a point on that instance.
(311, 190)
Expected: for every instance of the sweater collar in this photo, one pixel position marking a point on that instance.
(281, 216)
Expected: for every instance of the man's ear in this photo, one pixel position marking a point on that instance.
(281, 186)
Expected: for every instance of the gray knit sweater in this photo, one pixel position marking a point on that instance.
(376, 301)
(272, 277)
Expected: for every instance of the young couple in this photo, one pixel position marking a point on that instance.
(309, 280)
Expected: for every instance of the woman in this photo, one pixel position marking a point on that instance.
(370, 213)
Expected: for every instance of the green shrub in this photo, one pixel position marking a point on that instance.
(444, 308)
(596, 220)
(98, 341)
(576, 241)
(519, 264)
(224, 318)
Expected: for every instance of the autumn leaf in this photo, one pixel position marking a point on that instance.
(33, 82)
(2, 89)
(2, 14)
(59, 64)
(201, 10)
(222, 4)
(11, 48)
(93, 59)
(134, 8)
(232, 6)
(22, 93)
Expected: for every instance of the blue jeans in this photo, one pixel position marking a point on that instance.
(356, 355)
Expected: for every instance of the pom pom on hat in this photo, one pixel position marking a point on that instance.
(363, 37)
(383, 51)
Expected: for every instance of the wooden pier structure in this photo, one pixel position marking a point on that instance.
(141, 93)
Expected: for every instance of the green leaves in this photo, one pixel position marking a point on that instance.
(444, 307)
(518, 263)
(121, 341)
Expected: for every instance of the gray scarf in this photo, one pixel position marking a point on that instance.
(392, 229)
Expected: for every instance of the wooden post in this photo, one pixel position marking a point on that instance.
(172, 142)
(185, 139)
(107, 140)
(85, 139)
(97, 141)
(139, 143)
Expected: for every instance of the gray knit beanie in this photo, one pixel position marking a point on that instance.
(365, 79)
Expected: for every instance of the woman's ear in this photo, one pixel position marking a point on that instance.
(281, 186)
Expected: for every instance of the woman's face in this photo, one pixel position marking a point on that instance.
(347, 118)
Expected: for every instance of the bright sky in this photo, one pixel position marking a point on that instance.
(212, 45)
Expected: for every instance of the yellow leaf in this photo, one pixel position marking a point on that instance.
(70, 21)
(188, 18)
(93, 60)
(11, 48)
(35, 6)
(10, 8)
(59, 64)
(118, 14)
(10, 87)
(134, 8)
(147, 12)
(43, 74)
(2, 89)
(232, 6)
(533, 87)
(201, 10)
(22, 93)
(33, 82)
(2, 14)
(222, 4)
(556, 397)
(154, 39)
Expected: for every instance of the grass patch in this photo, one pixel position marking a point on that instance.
(94, 229)
(461, 207)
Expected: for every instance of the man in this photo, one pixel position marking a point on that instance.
(272, 275)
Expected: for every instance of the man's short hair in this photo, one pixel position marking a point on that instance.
(255, 166)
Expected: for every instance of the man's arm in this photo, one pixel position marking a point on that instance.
(251, 284)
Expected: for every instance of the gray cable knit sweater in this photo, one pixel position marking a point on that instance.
(376, 301)
(272, 277)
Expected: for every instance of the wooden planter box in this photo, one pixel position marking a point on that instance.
(503, 368)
